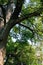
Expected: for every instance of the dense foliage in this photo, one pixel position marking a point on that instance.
(20, 53)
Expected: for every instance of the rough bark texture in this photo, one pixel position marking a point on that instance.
(2, 54)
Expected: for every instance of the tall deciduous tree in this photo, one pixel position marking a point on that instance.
(15, 17)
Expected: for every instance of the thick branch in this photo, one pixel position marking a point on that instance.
(26, 16)
(4, 13)
(17, 9)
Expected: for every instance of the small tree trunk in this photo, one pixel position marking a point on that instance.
(2, 54)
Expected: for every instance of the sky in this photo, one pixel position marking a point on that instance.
(27, 1)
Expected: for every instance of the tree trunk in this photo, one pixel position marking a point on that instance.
(2, 54)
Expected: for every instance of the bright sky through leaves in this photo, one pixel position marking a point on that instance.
(27, 1)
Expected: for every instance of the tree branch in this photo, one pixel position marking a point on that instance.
(15, 19)
(12, 20)
(4, 14)
(26, 16)
(26, 27)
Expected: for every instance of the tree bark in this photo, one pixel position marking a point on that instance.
(2, 54)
